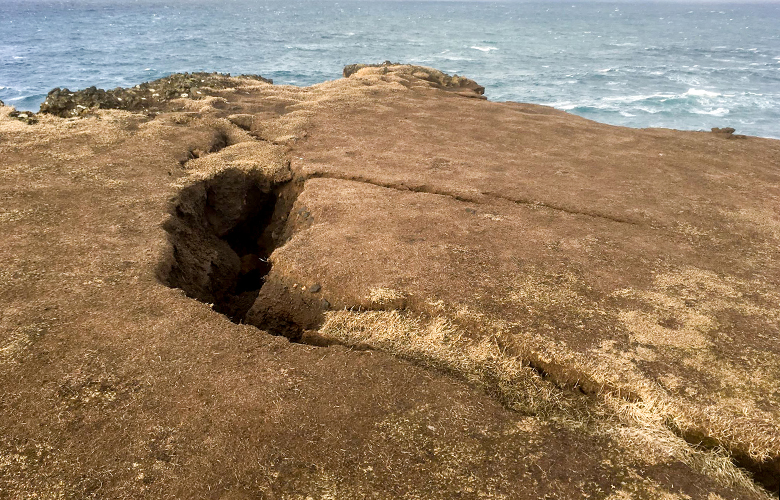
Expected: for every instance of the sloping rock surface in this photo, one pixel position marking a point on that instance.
(485, 300)
(432, 76)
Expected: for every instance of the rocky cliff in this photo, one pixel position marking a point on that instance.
(379, 286)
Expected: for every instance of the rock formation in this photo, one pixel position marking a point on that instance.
(148, 96)
(378, 287)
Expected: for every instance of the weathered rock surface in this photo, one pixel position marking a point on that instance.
(148, 96)
(27, 117)
(512, 302)
(432, 77)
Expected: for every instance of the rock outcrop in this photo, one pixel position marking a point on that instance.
(149, 96)
(432, 77)
(27, 117)
(375, 287)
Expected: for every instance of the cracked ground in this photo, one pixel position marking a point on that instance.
(403, 290)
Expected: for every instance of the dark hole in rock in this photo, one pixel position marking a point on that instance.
(222, 231)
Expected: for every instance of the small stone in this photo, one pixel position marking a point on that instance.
(724, 130)
(315, 288)
(325, 304)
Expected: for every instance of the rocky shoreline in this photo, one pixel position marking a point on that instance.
(148, 96)
(385, 286)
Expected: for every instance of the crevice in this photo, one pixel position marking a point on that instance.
(401, 186)
(765, 473)
(559, 208)
(223, 230)
(398, 186)
(218, 141)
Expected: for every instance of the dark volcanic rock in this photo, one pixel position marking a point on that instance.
(27, 117)
(146, 96)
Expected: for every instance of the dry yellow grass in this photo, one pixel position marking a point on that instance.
(439, 344)
(640, 427)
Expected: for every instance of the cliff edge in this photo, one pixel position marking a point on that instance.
(383, 285)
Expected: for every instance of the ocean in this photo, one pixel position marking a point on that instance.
(688, 66)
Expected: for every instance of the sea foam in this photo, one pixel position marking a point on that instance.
(701, 93)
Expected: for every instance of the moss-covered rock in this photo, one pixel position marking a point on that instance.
(146, 96)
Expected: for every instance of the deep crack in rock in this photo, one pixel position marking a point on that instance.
(222, 231)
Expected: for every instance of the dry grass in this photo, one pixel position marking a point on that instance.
(438, 344)
(640, 427)
(692, 299)
(253, 157)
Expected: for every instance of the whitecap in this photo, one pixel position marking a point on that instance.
(701, 93)
(626, 114)
(483, 49)
(648, 110)
(638, 98)
(564, 105)
(711, 112)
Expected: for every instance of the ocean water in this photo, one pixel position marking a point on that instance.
(678, 65)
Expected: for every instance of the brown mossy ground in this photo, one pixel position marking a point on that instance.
(514, 302)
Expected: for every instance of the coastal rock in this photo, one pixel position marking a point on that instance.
(27, 117)
(727, 133)
(725, 130)
(383, 289)
(151, 96)
(434, 77)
